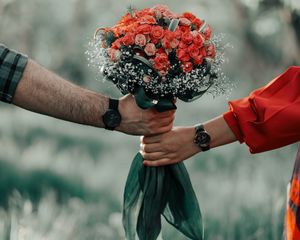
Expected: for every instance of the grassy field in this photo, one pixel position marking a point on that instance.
(60, 180)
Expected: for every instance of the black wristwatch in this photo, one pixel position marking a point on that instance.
(112, 118)
(202, 138)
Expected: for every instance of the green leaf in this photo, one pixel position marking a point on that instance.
(173, 24)
(131, 10)
(143, 60)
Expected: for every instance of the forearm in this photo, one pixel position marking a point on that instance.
(44, 92)
(219, 131)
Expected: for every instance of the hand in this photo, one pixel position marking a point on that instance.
(137, 121)
(169, 148)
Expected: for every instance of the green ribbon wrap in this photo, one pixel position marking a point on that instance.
(152, 192)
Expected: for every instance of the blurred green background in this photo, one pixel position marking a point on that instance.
(59, 180)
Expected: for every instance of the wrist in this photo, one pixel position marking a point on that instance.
(192, 147)
(131, 116)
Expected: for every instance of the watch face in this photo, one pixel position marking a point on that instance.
(112, 118)
(202, 139)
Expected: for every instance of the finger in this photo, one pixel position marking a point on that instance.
(151, 139)
(164, 114)
(152, 156)
(164, 129)
(161, 162)
(148, 148)
(163, 122)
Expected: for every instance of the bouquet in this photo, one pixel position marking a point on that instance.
(159, 56)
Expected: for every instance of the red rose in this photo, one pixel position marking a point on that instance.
(198, 59)
(157, 14)
(143, 12)
(162, 11)
(147, 20)
(117, 31)
(162, 73)
(189, 16)
(185, 22)
(193, 51)
(157, 32)
(144, 29)
(114, 54)
(178, 33)
(182, 45)
(161, 50)
(154, 41)
(207, 32)
(159, 7)
(131, 27)
(140, 40)
(174, 43)
(187, 67)
(169, 35)
(128, 39)
(184, 29)
(197, 23)
(182, 55)
(161, 62)
(169, 14)
(203, 52)
(198, 40)
(117, 44)
(150, 49)
(166, 43)
(187, 38)
(211, 51)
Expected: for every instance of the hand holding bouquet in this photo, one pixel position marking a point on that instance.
(158, 56)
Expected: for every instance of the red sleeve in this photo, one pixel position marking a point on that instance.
(269, 117)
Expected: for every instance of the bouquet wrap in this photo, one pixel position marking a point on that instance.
(152, 192)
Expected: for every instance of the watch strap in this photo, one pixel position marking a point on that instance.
(199, 128)
(109, 128)
(113, 104)
(203, 149)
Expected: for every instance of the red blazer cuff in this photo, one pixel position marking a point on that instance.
(233, 124)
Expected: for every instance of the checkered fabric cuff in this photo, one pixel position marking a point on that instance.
(12, 65)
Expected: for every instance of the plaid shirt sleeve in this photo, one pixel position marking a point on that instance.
(12, 65)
